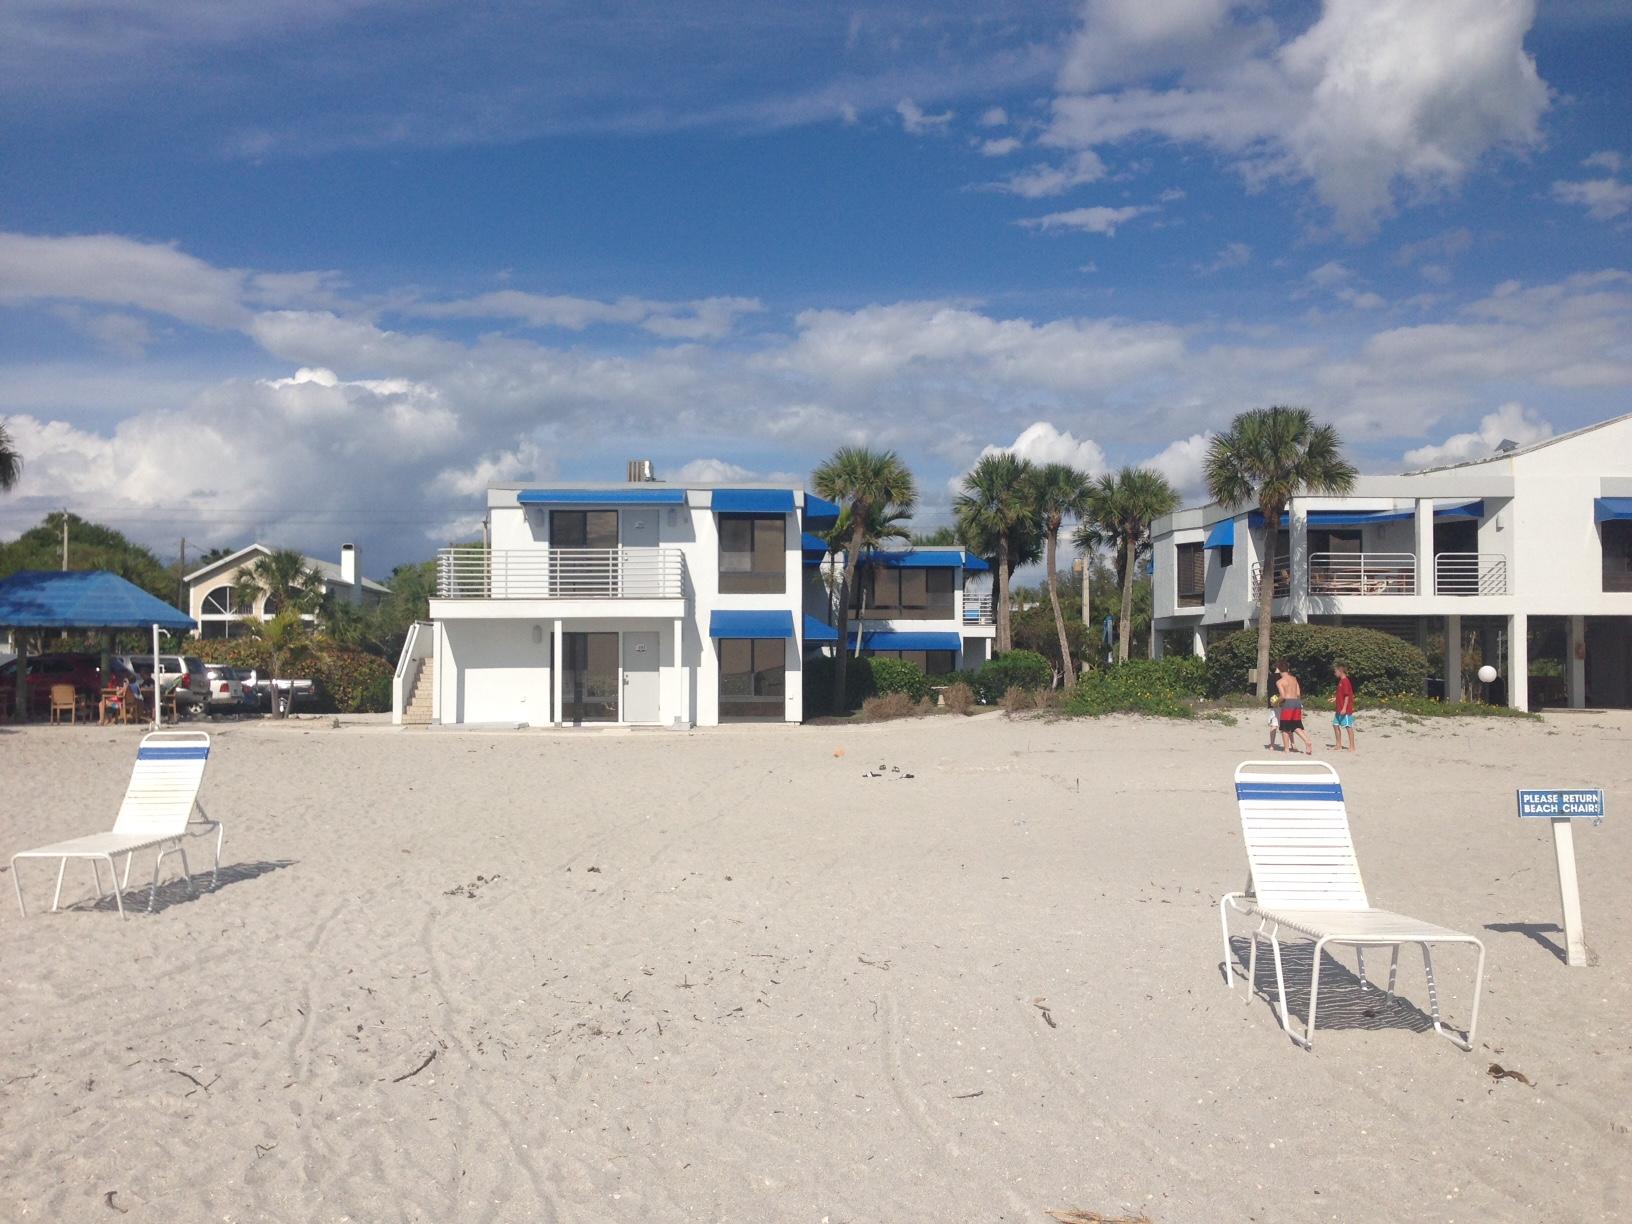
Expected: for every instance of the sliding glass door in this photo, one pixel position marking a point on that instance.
(589, 677)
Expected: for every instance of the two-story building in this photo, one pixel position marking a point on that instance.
(214, 601)
(931, 606)
(1522, 560)
(646, 603)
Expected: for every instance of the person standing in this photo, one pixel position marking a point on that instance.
(1272, 701)
(1343, 710)
(1291, 693)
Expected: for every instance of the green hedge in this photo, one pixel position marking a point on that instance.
(1022, 669)
(1380, 664)
(1159, 687)
(346, 681)
(899, 676)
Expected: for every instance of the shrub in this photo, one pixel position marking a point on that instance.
(1017, 700)
(1021, 669)
(1139, 686)
(959, 698)
(899, 676)
(891, 705)
(818, 684)
(1380, 664)
(346, 681)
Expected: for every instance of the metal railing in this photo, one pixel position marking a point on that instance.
(561, 573)
(416, 648)
(977, 610)
(1283, 580)
(1470, 574)
(1362, 573)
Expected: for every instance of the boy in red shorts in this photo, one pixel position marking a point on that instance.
(1343, 707)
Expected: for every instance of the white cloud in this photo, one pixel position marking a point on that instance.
(1512, 422)
(1040, 181)
(1604, 199)
(1374, 98)
(1041, 442)
(702, 319)
(1329, 274)
(1096, 220)
(710, 471)
(1361, 299)
(1439, 247)
(1607, 159)
(1182, 462)
(916, 122)
(995, 117)
(1000, 147)
(1231, 255)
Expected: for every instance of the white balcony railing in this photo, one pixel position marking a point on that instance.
(1348, 573)
(977, 610)
(1470, 574)
(561, 573)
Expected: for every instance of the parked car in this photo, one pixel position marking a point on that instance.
(182, 675)
(226, 690)
(304, 691)
(83, 671)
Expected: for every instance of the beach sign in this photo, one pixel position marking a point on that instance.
(1562, 806)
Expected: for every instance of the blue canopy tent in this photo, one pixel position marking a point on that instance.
(92, 600)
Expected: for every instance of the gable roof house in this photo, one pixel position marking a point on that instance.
(212, 602)
(1521, 560)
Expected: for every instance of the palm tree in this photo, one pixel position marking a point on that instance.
(1269, 456)
(996, 502)
(866, 482)
(287, 642)
(1123, 505)
(11, 463)
(883, 523)
(283, 579)
(1060, 491)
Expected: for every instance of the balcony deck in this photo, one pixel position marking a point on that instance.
(1392, 575)
(612, 575)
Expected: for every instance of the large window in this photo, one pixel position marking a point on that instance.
(753, 678)
(1617, 545)
(583, 561)
(908, 592)
(930, 662)
(1192, 575)
(583, 528)
(753, 554)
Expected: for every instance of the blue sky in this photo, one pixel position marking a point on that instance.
(318, 270)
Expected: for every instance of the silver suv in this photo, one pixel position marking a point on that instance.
(183, 675)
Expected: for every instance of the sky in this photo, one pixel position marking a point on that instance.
(319, 271)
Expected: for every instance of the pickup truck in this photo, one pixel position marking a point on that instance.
(305, 692)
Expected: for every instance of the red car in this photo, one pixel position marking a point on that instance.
(80, 670)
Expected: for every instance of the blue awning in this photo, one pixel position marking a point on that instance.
(819, 633)
(1339, 518)
(1222, 534)
(819, 512)
(83, 599)
(975, 565)
(1604, 510)
(886, 639)
(773, 623)
(1465, 510)
(753, 501)
(633, 495)
(917, 558)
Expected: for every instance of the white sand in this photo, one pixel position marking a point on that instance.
(792, 992)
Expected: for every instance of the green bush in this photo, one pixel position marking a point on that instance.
(899, 676)
(1140, 686)
(1380, 664)
(345, 681)
(1019, 669)
(818, 685)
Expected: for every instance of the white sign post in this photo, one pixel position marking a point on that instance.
(1561, 807)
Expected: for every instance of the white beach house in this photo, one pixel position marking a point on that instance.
(645, 603)
(1522, 560)
(931, 606)
(213, 602)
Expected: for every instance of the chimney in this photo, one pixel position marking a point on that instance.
(348, 572)
(640, 470)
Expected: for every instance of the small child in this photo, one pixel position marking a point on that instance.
(1343, 707)
(1274, 714)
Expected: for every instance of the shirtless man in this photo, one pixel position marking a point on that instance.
(1292, 709)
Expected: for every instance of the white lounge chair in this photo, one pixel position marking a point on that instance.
(157, 812)
(1304, 876)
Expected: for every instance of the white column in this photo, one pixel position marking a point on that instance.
(1425, 545)
(1198, 643)
(555, 672)
(680, 682)
(1298, 542)
(1156, 642)
(1453, 658)
(1518, 661)
(1575, 649)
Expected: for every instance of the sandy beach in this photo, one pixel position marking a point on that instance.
(942, 970)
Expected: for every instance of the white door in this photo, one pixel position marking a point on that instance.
(640, 676)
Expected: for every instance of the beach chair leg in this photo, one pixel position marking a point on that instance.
(1224, 927)
(215, 872)
(1433, 998)
(1360, 960)
(185, 871)
(56, 899)
(17, 883)
(118, 895)
(1393, 968)
(153, 892)
(1314, 996)
(1252, 964)
(96, 870)
(1280, 984)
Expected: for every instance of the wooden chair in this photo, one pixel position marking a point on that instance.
(62, 702)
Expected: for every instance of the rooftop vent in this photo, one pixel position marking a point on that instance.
(640, 470)
(1502, 447)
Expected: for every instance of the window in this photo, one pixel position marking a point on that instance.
(1226, 556)
(909, 592)
(753, 678)
(753, 554)
(1616, 536)
(583, 528)
(218, 602)
(1192, 575)
(580, 544)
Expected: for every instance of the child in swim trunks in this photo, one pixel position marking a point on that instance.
(1343, 717)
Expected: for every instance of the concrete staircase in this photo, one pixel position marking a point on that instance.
(417, 712)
